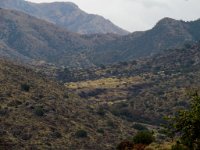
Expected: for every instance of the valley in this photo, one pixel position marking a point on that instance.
(70, 80)
(145, 90)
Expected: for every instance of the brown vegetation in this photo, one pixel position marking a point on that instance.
(38, 113)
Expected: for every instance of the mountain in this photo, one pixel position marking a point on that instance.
(144, 90)
(27, 38)
(38, 113)
(23, 36)
(167, 33)
(67, 15)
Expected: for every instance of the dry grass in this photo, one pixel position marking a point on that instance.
(107, 83)
(64, 114)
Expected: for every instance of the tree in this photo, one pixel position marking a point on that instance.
(138, 142)
(186, 124)
(143, 137)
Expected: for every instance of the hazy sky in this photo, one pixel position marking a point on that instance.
(134, 15)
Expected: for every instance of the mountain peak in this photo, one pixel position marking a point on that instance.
(65, 14)
(69, 4)
(167, 21)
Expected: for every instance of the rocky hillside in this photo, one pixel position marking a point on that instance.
(168, 33)
(30, 39)
(67, 15)
(144, 90)
(25, 37)
(37, 113)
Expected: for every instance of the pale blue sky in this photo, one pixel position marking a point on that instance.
(135, 15)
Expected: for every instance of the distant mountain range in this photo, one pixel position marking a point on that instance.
(28, 38)
(23, 36)
(65, 14)
(167, 33)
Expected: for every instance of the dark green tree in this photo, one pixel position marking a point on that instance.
(143, 137)
(186, 124)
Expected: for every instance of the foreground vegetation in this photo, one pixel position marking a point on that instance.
(183, 129)
(39, 113)
(102, 108)
(186, 125)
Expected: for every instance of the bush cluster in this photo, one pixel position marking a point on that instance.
(81, 134)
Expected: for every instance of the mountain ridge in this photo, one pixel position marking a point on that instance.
(31, 38)
(67, 15)
(167, 33)
(37, 39)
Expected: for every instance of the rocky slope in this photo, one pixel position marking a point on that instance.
(23, 36)
(168, 33)
(67, 15)
(38, 113)
(26, 38)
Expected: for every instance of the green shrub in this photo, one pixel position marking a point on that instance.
(101, 111)
(143, 137)
(56, 134)
(100, 130)
(39, 111)
(186, 124)
(3, 111)
(139, 127)
(81, 134)
(25, 87)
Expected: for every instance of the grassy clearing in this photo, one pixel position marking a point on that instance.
(107, 83)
